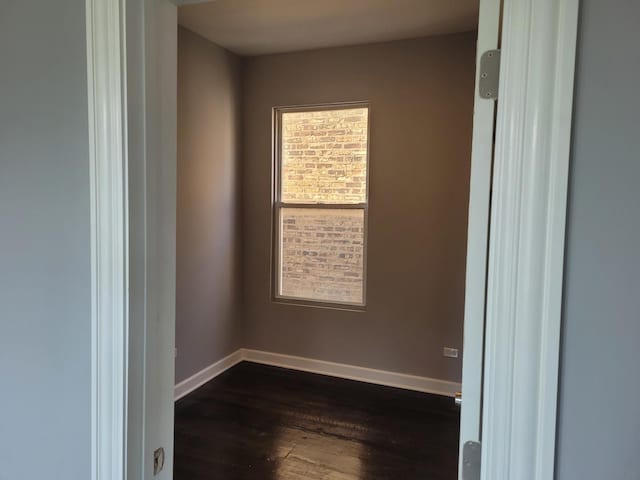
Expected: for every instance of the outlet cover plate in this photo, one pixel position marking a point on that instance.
(450, 352)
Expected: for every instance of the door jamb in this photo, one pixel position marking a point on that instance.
(109, 219)
(482, 149)
(526, 246)
(525, 254)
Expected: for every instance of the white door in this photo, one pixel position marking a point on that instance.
(477, 240)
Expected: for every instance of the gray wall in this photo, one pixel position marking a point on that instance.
(421, 94)
(599, 416)
(45, 309)
(209, 244)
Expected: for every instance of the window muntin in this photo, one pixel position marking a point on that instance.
(321, 204)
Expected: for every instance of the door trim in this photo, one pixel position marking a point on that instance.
(526, 246)
(106, 77)
(525, 255)
(482, 148)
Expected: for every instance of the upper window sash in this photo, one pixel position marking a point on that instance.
(337, 149)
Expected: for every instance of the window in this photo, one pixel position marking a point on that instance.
(321, 203)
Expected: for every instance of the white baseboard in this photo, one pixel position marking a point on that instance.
(203, 376)
(340, 370)
(351, 372)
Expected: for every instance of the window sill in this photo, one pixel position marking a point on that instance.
(323, 305)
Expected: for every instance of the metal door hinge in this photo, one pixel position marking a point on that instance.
(471, 453)
(489, 74)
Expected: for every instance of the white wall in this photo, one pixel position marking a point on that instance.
(45, 315)
(599, 415)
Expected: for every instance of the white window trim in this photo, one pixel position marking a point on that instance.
(278, 205)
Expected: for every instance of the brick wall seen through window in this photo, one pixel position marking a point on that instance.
(321, 204)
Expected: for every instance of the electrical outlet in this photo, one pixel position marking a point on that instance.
(450, 352)
(158, 460)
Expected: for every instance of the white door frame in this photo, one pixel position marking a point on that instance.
(482, 146)
(109, 236)
(526, 245)
(526, 248)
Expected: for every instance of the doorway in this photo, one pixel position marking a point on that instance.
(514, 121)
(328, 160)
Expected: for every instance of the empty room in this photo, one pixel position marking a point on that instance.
(402, 236)
(323, 178)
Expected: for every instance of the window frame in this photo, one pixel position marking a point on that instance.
(277, 205)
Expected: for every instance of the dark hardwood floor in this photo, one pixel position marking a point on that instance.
(267, 423)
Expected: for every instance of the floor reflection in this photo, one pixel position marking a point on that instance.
(310, 455)
(265, 423)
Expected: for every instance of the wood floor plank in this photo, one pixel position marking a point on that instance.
(256, 422)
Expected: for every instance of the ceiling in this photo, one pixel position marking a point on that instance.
(258, 27)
